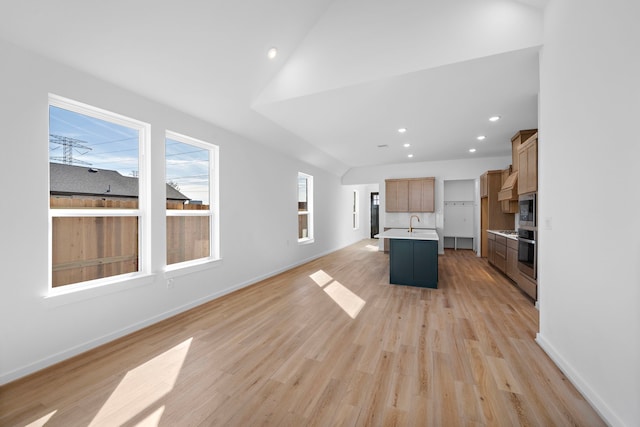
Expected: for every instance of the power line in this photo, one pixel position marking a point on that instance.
(185, 152)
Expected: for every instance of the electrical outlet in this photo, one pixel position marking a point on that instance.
(170, 283)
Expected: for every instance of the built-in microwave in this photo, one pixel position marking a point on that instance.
(527, 213)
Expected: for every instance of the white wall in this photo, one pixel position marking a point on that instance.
(589, 232)
(459, 190)
(441, 170)
(258, 199)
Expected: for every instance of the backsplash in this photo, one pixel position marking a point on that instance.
(401, 219)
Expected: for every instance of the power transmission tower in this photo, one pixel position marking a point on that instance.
(68, 146)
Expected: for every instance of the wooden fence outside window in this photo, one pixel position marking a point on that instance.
(88, 248)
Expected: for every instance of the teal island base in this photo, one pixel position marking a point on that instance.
(413, 262)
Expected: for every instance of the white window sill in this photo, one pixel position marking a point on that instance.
(184, 268)
(305, 241)
(75, 293)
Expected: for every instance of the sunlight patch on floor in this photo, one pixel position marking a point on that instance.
(372, 248)
(43, 420)
(341, 295)
(321, 278)
(347, 300)
(143, 386)
(153, 420)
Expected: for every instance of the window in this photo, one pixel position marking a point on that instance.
(305, 207)
(191, 199)
(355, 210)
(97, 193)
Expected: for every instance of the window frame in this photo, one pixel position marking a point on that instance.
(141, 213)
(214, 206)
(309, 212)
(356, 210)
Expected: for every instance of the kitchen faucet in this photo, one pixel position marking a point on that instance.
(410, 222)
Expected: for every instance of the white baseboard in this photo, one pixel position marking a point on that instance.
(583, 387)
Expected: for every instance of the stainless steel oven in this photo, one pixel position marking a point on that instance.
(527, 253)
(527, 210)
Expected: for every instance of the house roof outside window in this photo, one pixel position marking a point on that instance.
(71, 180)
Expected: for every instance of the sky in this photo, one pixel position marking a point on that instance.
(100, 144)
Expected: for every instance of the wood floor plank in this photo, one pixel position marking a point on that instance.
(284, 352)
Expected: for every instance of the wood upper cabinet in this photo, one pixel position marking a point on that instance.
(421, 195)
(397, 195)
(528, 163)
(516, 141)
(484, 190)
(410, 195)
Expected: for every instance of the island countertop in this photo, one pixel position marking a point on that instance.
(403, 233)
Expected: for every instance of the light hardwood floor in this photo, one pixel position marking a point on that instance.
(329, 343)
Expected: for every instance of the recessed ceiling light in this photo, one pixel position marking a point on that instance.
(472, 150)
(402, 130)
(494, 118)
(409, 155)
(481, 138)
(272, 53)
(406, 145)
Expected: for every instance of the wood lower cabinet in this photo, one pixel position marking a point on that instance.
(503, 255)
(410, 195)
(529, 286)
(512, 260)
(491, 248)
(500, 253)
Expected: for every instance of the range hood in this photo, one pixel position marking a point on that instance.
(509, 190)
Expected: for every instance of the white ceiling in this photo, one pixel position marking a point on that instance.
(349, 72)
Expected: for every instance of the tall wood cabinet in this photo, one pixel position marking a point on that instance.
(410, 195)
(491, 215)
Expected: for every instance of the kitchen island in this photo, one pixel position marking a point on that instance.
(413, 257)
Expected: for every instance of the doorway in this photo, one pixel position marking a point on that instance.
(459, 214)
(375, 214)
